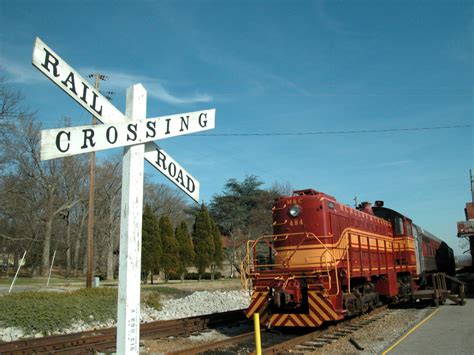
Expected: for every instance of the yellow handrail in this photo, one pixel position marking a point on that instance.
(279, 224)
(331, 257)
(335, 261)
(278, 208)
(329, 265)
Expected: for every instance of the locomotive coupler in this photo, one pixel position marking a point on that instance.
(287, 293)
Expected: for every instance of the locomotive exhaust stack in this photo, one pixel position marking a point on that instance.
(366, 207)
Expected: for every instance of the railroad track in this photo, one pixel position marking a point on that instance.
(105, 339)
(318, 339)
(274, 342)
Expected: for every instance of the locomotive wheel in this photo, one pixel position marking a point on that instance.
(352, 304)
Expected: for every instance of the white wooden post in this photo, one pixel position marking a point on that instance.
(51, 268)
(128, 305)
(17, 271)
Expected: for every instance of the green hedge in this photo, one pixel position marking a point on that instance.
(46, 312)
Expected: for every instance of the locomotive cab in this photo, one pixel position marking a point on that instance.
(401, 225)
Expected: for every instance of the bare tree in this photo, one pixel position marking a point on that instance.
(73, 185)
(10, 106)
(108, 194)
(19, 227)
(164, 200)
(282, 189)
(39, 185)
(44, 204)
(78, 217)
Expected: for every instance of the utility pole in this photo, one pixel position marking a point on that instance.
(472, 185)
(90, 221)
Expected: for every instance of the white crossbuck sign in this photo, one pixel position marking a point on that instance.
(70, 141)
(63, 142)
(136, 133)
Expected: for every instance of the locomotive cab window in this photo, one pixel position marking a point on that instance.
(398, 226)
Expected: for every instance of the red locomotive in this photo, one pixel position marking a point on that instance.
(326, 261)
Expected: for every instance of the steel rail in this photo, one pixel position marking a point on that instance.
(282, 343)
(318, 338)
(94, 340)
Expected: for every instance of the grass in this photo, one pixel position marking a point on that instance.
(41, 281)
(166, 291)
(47, 312)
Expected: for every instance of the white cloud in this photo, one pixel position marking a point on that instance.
(18, 73)
(22, 74)
(121, 81)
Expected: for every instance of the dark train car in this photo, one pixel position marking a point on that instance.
(434, 255)
(326, 261)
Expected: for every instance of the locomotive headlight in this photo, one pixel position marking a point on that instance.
(294, 211)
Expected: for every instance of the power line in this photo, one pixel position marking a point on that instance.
(333, 132)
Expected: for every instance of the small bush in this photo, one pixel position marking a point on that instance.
(165, 291)
(174, 276)
(153, 300)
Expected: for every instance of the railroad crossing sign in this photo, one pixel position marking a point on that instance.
(63, 142)
(136, 133)
(71, 82)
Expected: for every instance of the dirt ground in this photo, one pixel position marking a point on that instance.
(162, 346)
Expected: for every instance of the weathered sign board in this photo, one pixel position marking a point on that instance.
(136, 133)
(63, 142)
(71, 82)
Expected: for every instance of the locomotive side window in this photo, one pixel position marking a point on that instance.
(398, 226)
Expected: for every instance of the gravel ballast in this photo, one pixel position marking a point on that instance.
(374, 337)
(198, 303)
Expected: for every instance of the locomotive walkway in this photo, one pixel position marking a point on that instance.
(446, 331)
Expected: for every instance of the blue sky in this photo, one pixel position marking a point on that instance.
(280, 67)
